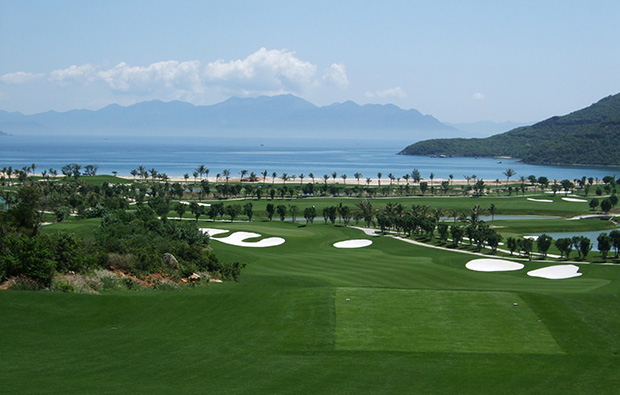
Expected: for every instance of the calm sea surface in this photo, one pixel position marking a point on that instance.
(178, 155)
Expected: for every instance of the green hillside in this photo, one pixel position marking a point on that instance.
(586, 137)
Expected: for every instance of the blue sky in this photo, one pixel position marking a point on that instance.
(460, 61)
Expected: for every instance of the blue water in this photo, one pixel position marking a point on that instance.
(178, 155)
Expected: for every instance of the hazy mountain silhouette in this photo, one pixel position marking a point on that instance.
(283, 115)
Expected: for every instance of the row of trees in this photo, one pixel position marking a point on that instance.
(565, 245)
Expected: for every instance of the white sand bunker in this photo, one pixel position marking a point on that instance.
(213, 231)
(556, 272)
(493, 265)
(200, 204)
(574, 200)
(353, 243)
(237, 239)
(540, 200)
(368, 232)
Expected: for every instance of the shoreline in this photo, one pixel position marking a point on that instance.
(331, 181)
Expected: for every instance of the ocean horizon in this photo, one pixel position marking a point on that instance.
(177, 155)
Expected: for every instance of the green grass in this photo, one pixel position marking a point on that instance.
(438, 321)
(83, 228)
(418, 322)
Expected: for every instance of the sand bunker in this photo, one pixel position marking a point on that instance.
(368, 232)
(237, 239)
(493, 265)
(200, 204)
(540, 200)
(574, 200)
(213, 232)
(556, 272)
(353, 243)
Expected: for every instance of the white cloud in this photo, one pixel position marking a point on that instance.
(73, 74)
(396, 92)
(20, 77)
(171, 75)
(264, 71)
(478, 96)
(336, 75)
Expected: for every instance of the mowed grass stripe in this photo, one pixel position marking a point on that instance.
(438, 321)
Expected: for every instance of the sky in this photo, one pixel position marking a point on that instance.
(460, 61)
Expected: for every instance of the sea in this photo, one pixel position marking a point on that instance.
(177, 155)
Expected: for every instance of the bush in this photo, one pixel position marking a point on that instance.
(27, 256)
(23, 283)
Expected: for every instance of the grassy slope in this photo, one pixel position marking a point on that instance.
(424, 324)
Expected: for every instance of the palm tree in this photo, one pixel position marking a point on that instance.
(141, 171)
(195, 174)
(391, 177)
(301, 178)
(432, 176)
(186, 176)
(467, 178)
(509, 173)
(406, 177)
(243, 174)
(325, 178)
(344, 179)
(226, 174)
(451, 176)
(264, 174)
(311, 175)
(357, 177)
(201, 170)
(379, 177)
(207, 173)
(273, 177)
(368, 181)
(492, 210)
(284, 177)
(334, 175)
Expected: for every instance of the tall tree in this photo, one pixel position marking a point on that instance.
(604, 245)
(415, 175)
(509, 173)
(357, 177)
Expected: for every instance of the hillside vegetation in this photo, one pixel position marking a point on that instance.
(585, 137)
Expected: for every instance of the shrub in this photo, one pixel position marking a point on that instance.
(23, 283)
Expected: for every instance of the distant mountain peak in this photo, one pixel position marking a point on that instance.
(285, 115)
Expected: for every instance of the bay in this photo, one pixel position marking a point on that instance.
(177, 155)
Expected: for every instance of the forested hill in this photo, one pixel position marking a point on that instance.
(590, 136)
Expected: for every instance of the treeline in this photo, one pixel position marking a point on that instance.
(583, 245)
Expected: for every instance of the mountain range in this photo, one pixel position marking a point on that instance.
(274, 116)
(590, 136)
